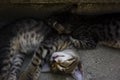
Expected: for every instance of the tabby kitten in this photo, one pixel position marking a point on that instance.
(24, 37)
(85, 33)
(89, 30)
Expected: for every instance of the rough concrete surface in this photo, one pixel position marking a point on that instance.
(102, 63)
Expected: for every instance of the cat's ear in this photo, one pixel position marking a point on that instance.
(77, 73)
(45, 68)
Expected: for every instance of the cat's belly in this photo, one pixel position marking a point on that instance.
(26, 42)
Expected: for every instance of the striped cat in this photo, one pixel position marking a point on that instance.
(32, 36)
(23, 37)
(85, 33)
(89, 30)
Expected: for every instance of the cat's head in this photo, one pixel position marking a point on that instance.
(68, 62)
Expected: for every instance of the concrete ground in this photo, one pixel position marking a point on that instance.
(101, 63)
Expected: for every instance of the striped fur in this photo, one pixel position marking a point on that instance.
(34, 36)
(88, 30)
(18, 40)
(56, 43)
(25, 37)
(84, 33)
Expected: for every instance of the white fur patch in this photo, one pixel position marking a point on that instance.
(64, 55)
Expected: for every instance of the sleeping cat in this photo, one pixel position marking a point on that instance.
(58, 33)
(89, 30)
(23, 37)
(85, 32)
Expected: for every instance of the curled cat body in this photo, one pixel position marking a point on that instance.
(23, 37)
(59, 33)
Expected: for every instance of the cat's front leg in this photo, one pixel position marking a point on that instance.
(83, 42)
(33, 69)
(16, 64)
